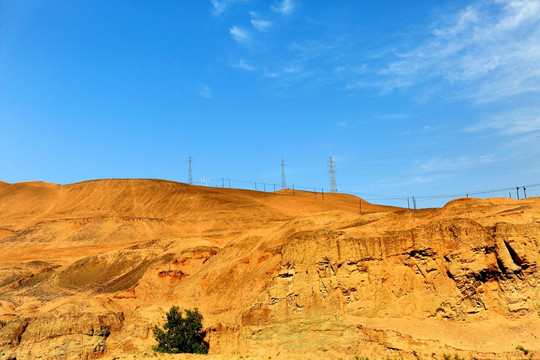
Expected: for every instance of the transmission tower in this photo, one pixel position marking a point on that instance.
(332, 172)
(190, 174)
(283, 182)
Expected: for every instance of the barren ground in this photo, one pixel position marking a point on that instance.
(87, 269)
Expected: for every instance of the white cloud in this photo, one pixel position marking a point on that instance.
(270, 74)
(292, 69)
(288, 74)
(516, 121)
(359, 84)
(438, 169)
(352, 69)
(243, 65)
(206, 92)
(489, 51)
(258, 23)
(220, 6)
(284, 7)
(239, 35)
(261, 25)
(450, 165)
(393, 116)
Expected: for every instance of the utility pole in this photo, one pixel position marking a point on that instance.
(414, 202)
(517, 192)
(332, 172)
(408, 204)
(190, 174)
(524, 192)
(283, 182)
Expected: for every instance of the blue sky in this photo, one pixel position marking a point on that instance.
(429, 98)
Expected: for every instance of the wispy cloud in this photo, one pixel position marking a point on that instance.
(220, 6)
(352, 69)
(358, 84)
(312, 48)
(438, 169)
(288, 73)
(488, 51)
(206, 92)
(292, 68)
(258, 23)
(242, 64)
(406, 180)
(261, 25)
(270, 74)
(284, 7)
(449, 165)
(393, 116)
(238, 34)
(511, 122)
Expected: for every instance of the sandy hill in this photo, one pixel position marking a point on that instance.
(86, 269)
(54, 221)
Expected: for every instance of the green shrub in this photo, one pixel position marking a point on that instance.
(449, 357)
(525, 351)
(181, 335)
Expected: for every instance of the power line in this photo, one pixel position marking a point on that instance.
(468, 145)
(332, 172)
(368, 196)
(190, 174)
(283, 182)
(447, 196)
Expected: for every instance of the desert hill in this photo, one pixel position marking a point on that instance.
(87, 269)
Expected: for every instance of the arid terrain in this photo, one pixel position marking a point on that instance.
(87, 269)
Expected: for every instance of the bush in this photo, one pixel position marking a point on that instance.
(181, 335)
(449, 357)
(520, 347)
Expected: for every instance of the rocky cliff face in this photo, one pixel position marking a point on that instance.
(449, 269)
(286, 273)
(450, 272)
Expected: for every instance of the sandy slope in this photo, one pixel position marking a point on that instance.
(86, 269)
(93, 216)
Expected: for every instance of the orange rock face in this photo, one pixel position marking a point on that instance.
(87, 269)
